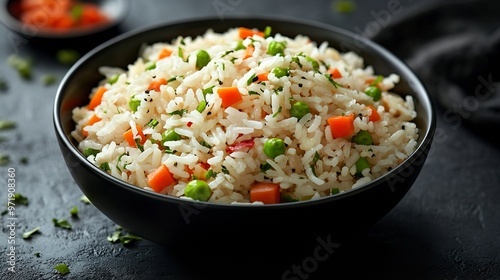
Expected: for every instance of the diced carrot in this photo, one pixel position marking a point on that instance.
(155, 85)
(375, 116)
(267, 193)
(341, 126)
(91, 121)
(129, 136)
(96, 98)
(249, 51)
(229, 96)
(160, 178)
(165, 52)
(335, 73)
(262, 77)
(244, 32)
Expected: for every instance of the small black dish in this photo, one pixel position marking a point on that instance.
(174, 221)
(78, 37)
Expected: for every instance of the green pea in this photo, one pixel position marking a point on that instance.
(202, 59)
(275, 48)
(274, 147)
(361, 164)
(113, 79)
(299, 109)
(170, 135)
(374, 92)
(363, 137)
(280, 72)
(134, 103)
(198, 190)
(334, 191)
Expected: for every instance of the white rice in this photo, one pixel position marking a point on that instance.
(264, 113)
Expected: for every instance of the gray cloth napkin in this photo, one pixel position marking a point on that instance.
(454, 47)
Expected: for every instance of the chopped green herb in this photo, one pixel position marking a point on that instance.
(138, 144)
(28, 234)
(7, 124)
(205, 144)
(314, 63)
(251, 79)
(329, 77)
(20, 199)
(239, 46)
(288, 198)
(49, 79)
(153, 123)
(277, 112)
(377, 80)
(62, 268)
(334, 190)
(119, 236)
(252, 92)
(178, 112)
(104, 167)
(74, 211)
(210, 174)
(224, 170)
(89, 151)
(264, 167)
(208, 90)
(61, 223)
(172, 79)
(67, 56)
(296, 59)
(22, 65)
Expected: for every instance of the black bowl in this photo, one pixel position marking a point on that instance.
(89, 37)
(169, 220)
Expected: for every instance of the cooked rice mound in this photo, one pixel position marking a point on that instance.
(223, 144)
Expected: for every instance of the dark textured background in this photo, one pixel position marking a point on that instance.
(447, 226)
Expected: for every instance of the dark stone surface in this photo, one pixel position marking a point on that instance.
(446, 227)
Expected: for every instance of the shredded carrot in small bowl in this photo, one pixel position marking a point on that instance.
(58, 15)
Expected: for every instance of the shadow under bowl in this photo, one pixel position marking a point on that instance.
(172, 221)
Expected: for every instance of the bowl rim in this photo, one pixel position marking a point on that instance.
(425, 98)
(28, 31)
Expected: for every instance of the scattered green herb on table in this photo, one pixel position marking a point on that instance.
(61, 223)
(74, 211)
(62, 268)
(124, 238)
(4, 124)
(28, 234)
(67, 56)
(49, 79)
(85, 199)
(4, 159)
(20, 199)
(22, 65)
